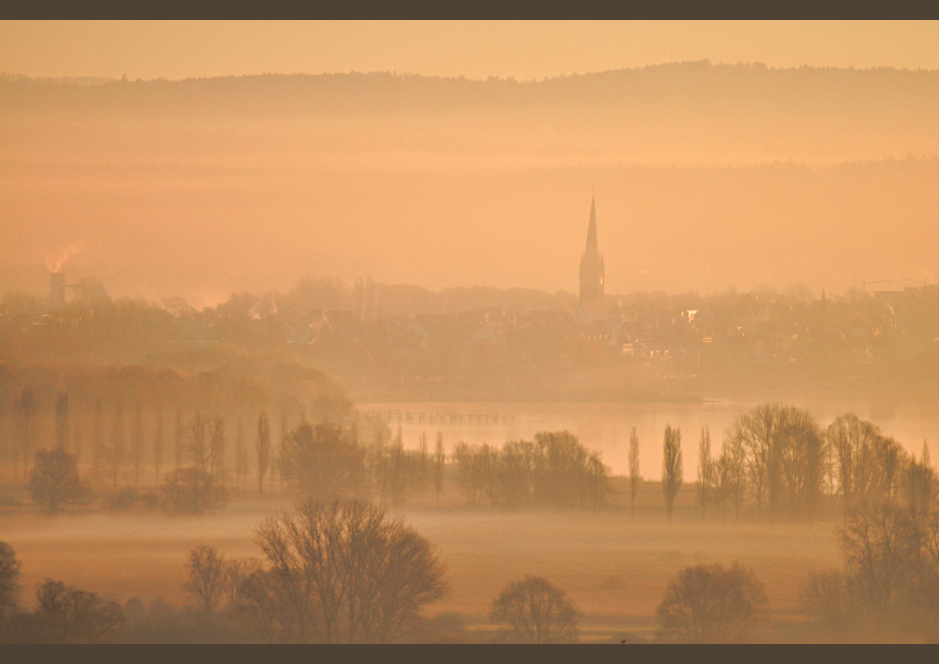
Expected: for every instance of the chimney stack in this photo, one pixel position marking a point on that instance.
(57, 292)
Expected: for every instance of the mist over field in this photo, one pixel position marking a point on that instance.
(646, 354)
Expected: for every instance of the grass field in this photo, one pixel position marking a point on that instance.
(614, 567)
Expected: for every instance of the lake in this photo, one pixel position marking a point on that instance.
(605, 426)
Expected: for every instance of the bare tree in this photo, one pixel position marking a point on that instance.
(635, 478)
(439, 463)
(115, 452)
(921, 483)
(705, 470)
(368, 576)
(736, 462)
(27, 410)
(137, 442)
(158, 440)
(535, 611)
(206, 574)
(263, 447)
(179, 440)
(98, 453)
(198, 443)
(10, 587)
(880, 546)
(241, 453)
(423, 463)
(69, 615)
(469, 471)
(755, 431)
(281, 455)
(710, 604)
(825, 599)
(514, 471)
(324, 462)
(218, 442)
(193, 491)
(672, 469)
(54, 481)
(77, 437)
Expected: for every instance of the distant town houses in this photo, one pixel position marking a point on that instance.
(504, 343)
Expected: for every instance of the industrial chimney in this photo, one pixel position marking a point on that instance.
(57, 292)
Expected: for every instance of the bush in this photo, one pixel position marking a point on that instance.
(535, 611)
(129, 497)
(710, 604)
(69, 615)
(324, 462)
(826, 600)
(193, 491)
(54, 481)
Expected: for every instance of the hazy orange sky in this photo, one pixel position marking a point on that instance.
(522, 50)
(706, 175)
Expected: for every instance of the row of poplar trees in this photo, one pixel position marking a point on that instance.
(781, 461)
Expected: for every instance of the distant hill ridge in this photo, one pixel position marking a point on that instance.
(681, 84)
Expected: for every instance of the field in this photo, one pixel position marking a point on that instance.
(614, 567)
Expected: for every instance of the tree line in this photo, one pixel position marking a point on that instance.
(779, 460)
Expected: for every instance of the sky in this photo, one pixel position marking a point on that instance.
(523, 50)
(706, 177)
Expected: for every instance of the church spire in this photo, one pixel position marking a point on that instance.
(593, 247)
(591, 263)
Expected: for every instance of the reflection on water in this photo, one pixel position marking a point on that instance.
(605, 426)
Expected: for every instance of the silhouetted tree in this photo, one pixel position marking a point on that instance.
(635, 478)
(710, 604)
(262, 445)
(515, 462)
(206, 576)
(27, 410)
(78, 442)
(755, 431)
(193, 491)
(10, 587)
(921, 483)
(115, 451)
(324, 462)
(825, 599)
(282, 449)
(158, 440)
(672, 469)
(368, 576)
(218, 443)
(880, 546)
(137, 442)
(98, 453)
(179, 440)
(241, 453)
(705, 470)
(535, 611)
(198, 443)
(69, 615)
(469, 470)
(439, 463)
(54, 481)
(423, 463)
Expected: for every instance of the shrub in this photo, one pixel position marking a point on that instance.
(535, 611)
(193, 491)
(54, 481)
(710, 604)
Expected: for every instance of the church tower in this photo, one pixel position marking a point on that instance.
(591, 263)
